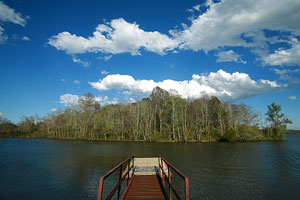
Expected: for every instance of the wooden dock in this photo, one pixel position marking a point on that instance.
(147, 178)
(144, 187)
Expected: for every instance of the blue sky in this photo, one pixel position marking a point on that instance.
(53, 52)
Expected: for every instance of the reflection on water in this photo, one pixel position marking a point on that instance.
(65, 169)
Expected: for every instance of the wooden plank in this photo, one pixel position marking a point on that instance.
(145, 187)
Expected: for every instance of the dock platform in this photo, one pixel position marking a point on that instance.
(147, 178)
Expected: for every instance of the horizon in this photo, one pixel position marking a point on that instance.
(53, 52)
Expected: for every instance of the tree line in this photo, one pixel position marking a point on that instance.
(293, 131)
(163, 116)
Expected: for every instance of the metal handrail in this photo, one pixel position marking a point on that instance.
(161, 162)
(121, 177)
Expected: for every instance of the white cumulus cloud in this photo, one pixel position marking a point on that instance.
(224, 23)
(69, 99)
(117, 36)
(282, 57)
(226, 86)
(227, 23)
(229, 56)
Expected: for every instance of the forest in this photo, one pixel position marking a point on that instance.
(163, 116)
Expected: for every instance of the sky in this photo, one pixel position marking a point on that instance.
(52, 52)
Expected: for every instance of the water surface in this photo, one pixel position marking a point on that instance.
(69, 169)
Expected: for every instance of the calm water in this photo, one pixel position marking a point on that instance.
(63, 169)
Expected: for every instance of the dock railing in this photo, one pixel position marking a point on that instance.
(165, 173)
(126, 165)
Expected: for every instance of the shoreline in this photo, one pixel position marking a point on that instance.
(146, 141)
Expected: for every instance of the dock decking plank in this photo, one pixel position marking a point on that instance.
(145, 187)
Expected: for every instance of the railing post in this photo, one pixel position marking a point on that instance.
(120, 177)
(119, 184)
(162, 172)
(133, 167)
(158, 167)
(100, 189)
(187, 187)
(170, 182)
(128, 165)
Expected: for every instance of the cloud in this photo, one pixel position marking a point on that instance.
(288, 75)
(77, 60)
(289, 57)
(229, 56)
(63, 80)
(224, 23)
(226, 86)
(106, 58)
(3, 37)
(69, 99)
(233, 23)
(131, 100)
(54, 109)
(115, 37)
(197, 7)
(104, 72)
(292, 97)
(76, 82)
(230, 23)
(25, 38)
(72, 100)
(9, 15)
(105, 100)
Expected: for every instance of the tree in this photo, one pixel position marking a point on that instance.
(164, 115)
(7, 128)
(88, 106)
(278, 121)
(27, 125)
(216, 114)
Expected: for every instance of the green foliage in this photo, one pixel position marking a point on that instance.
(164, 116)
(229, 136)
(293, 131)
(278, 121)
(7, 128)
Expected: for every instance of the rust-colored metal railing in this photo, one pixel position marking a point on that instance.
(129, 162)
(165, 171)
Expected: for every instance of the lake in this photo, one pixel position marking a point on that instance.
(70, 169)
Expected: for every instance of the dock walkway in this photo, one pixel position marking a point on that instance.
(144, 187)
(145, 183)
(147, 178)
